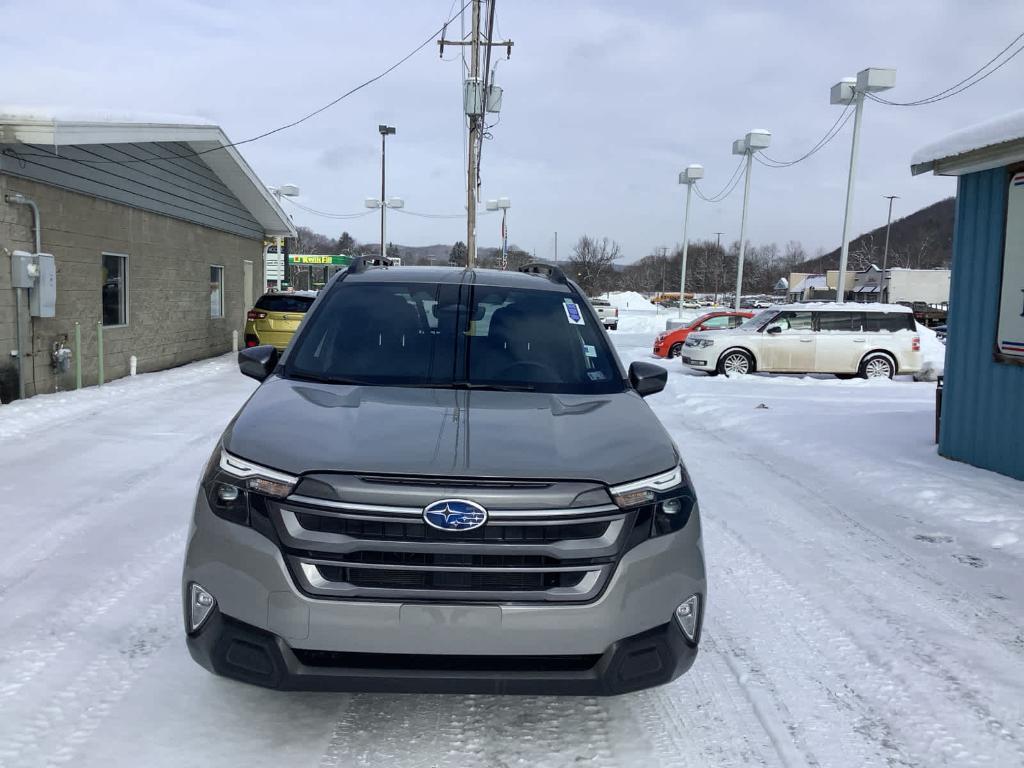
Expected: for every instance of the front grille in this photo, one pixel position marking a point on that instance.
(418, 531)
(355, 550)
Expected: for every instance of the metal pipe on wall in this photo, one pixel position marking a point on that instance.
(17, 198)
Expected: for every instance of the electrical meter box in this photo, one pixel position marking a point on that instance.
(22, 269)
(42, 299)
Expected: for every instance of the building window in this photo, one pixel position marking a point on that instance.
(115, 289)
(216, 291)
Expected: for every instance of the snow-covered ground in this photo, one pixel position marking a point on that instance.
(865, 597)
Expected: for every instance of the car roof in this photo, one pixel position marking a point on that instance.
(302, 294)
(491, 277)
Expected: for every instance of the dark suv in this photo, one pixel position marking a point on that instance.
(447, 482)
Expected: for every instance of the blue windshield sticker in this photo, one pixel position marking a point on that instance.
(572, 312)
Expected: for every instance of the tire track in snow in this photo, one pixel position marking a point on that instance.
(34, 655)
(65, 722)
(420, 731)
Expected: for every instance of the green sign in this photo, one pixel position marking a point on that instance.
(319, 261)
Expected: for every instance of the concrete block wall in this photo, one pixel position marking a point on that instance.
(169, 264)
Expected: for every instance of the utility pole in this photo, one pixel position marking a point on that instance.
(885, 254)
(479, 97)
(718, 272)
(556, 247)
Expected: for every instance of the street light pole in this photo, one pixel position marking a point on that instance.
(502, 204)
(385, 131)
(885, 254)
(851, 91)
(754, 140)
(688, 177)
(285, 190)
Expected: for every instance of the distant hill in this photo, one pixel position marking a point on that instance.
(921, 240)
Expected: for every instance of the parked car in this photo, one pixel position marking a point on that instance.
(844, 339)
(691, 304)
(276, 317)
(609, 315)
(941, 331)
(448, 482)
(670, 343)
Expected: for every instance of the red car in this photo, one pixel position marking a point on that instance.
(670, 343)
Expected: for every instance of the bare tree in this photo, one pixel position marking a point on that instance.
(591, 263)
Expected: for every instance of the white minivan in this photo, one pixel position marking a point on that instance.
(869, 340)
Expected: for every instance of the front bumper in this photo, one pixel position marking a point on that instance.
(372, 644)
(695, 362)
(240, 651)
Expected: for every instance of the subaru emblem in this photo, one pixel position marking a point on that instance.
(454, 515)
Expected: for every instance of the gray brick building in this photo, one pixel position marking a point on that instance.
(157, 232)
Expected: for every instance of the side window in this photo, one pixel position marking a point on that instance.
(836, 321)
(716, 322)
(889, 321)
(792, 322)
(736, 321)
(216, 292)
(115, 289)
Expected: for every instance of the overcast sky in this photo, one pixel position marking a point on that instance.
(605, 101)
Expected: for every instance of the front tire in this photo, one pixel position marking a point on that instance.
(735, 362)
(675, 350)
(877, 365)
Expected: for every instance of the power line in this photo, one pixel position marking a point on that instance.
(438, 215)
(830, 134)
(328, 214)
(963, 85)
(727, 190)
(326, 106)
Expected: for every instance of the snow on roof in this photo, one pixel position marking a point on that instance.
(811, 281)
(44, 114)
(846, 306)
(992, 134)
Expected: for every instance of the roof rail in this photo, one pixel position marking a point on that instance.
(551, 271)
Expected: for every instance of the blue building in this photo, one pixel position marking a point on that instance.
(983, 399)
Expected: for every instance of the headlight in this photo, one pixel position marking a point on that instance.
(705, 342)
(665, 502)
(230, 482)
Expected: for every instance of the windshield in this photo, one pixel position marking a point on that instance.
(758, 320)
(427, 335)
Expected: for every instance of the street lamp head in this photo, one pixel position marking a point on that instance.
(874, 79)
(739, 147)
(286, 190)
(504, 202)
(372, 202)
(492, 205)
(758, 138)
(691, 174)
(396, 202)
(843, 91)
(386, 130)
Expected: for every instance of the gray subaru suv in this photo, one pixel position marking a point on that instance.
(447, 482)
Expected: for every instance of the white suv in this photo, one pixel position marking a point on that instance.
(870, 340)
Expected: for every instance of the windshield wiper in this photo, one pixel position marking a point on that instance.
(328, 379)
(492, 387)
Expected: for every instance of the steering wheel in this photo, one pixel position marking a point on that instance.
(540, 367)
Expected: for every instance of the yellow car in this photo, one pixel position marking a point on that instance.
(276, 317)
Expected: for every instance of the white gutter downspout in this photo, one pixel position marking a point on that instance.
(17, 198)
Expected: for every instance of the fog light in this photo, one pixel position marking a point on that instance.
(227, 493)
(687, 613)
(672, 506)
(200, 606)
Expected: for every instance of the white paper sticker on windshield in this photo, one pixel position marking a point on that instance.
(596, 375)
(572, 312)
(590, 350)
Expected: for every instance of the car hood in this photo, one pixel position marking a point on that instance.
(299, 427)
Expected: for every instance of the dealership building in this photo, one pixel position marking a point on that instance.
(982, 415)
(141, 238)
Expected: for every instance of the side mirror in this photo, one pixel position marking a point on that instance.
(258, 362)
(775, 329)
(647, 378)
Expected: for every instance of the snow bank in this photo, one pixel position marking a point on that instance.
(996, 131)
(933, 353)
(631, 300)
